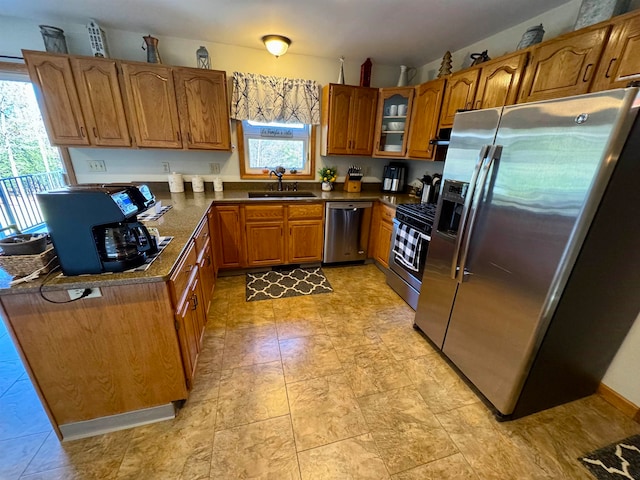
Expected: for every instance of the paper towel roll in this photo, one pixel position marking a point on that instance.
(217, 184)
(197, 183)
(176, 183)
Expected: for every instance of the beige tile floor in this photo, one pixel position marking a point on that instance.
(331, 386)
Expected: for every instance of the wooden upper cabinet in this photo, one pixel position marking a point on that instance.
(500, 81)
(152, 105)
(348, 119)
(202, 103)
(620, 61)
(362, 124)
(55, 90)
(99, 92)
(459, 94)
(394, 109)
(424, 119)
(564, 66)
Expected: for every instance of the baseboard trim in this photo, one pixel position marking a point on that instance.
(630, 409)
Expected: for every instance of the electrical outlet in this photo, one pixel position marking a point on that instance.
(367, 171)
(215, 168)
(77, 293)
(165, 167)
(97, 166)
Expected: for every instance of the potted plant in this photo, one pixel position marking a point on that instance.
(328, 175)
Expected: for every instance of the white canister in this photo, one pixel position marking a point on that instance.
(176, 183)
(217, 184)
(197, 183)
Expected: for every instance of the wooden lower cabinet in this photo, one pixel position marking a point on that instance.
(101, 356)
(207, 270)
(381, 231)
(228, 238)
(306, 233)
(265, 243)
(267, 235)
(305, 241)
(188, 328)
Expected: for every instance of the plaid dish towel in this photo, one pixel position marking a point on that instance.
(407, 247)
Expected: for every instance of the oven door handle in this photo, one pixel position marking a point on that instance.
(455, 263)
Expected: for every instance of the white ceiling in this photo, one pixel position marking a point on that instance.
(390, 32)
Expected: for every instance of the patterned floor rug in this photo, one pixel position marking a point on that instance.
(618, 461)
(288, 283)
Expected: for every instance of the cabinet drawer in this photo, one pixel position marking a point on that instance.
(387, 213)
(201, 236)
(305, 211)
(183, 272)
(263, 212)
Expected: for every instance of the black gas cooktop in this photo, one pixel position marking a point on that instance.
(419, 216)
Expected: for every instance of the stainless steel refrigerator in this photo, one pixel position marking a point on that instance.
(532, 279)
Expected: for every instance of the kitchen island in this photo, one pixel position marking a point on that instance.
(125, 357)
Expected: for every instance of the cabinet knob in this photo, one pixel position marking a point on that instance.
(95, 132)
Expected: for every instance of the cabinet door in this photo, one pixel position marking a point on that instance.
(362, 124)
(424, 119)
(459, 95)
(55, 90)
(202, 102)
(305, 241)
(265, 243)
(620, 62)
(348, 119)
(393, 120)
(563, 67)
(152, 104)
(228, 239)
(101, 100)
(500, 81)
(383, 243)
(207, 277)
(186, 324)
(335, 121)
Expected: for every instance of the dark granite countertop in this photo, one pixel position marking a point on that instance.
(180, 223)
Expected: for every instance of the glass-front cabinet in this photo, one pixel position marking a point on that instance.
(392, 125)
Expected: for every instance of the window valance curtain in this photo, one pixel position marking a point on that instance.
(267, 99)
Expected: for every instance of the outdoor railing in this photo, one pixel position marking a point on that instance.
(18, 203)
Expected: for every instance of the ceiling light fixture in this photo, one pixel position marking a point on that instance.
(276, 44)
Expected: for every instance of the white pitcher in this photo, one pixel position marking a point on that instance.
(406, 75)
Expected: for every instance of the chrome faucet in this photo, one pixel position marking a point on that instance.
(278, 172)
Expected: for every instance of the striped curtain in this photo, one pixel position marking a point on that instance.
(268, 99)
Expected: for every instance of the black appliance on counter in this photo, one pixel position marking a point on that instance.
(94, 229)
(394, 178)
(409, 245)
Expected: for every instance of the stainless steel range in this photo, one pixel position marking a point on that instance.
(409, 245)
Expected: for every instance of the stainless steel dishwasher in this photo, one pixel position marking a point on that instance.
(346, 234)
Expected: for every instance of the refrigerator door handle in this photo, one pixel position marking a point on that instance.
(494, 154)
(465, 211)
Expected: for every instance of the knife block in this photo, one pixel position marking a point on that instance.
(352, 185)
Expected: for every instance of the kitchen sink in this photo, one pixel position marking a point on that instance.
(285, 194)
